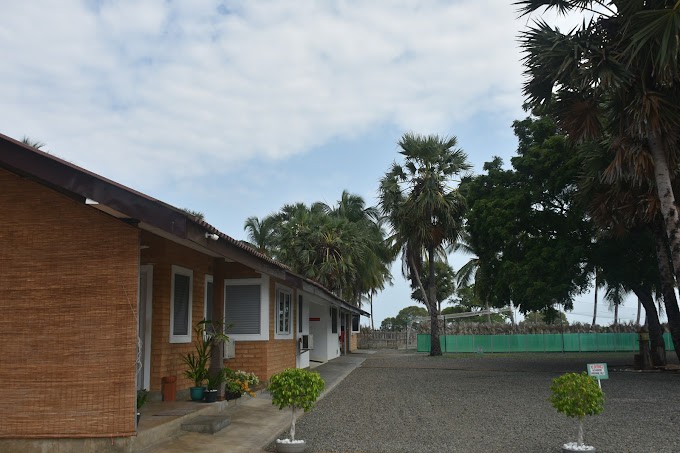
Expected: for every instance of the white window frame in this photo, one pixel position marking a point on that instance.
(264, 308)
(286, 334)
(178, 270)
(206, 315)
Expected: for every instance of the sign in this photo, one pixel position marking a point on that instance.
(315, 319)
(598, 370)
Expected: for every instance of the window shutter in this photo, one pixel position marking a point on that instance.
(242, 309)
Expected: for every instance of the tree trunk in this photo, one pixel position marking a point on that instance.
(597, 282)
(637, 320)
(667, 285)
(579, 438)
(657, 345)
(371, 299)
(435, 346)
(616, 314)
(669, 210)
(292, 424)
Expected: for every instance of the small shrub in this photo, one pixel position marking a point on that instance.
(577, 395)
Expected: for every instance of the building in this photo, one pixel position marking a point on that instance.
(101, 287)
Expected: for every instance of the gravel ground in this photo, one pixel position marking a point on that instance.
(409, 402)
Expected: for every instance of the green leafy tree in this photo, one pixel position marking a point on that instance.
(577, 395)
(526, 224)
(548, 315)
(424, 210)
(409, 314)
(616, 76)
(295, 388)
(389, 324)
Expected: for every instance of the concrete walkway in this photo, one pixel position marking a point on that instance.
(255, 422)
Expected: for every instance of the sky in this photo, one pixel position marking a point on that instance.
(235, 108)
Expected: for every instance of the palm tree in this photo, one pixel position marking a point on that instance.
(423, 210)
(615, 296)
(341, 247)
(261, 233)
(475, 270)
(33, 143)
(617, 73)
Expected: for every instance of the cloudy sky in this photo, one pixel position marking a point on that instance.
(234, 108)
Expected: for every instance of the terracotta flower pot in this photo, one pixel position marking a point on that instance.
(169, 388)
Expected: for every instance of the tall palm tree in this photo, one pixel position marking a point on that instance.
(617, 73)
(261, 233)
(424, 210)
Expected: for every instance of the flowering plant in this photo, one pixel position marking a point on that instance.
(240, 381)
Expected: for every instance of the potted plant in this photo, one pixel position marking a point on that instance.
(239, 382)
(577, 395)
(213, 382)
(197, 361)
(197, 371)
(142, 396)
(298, 389)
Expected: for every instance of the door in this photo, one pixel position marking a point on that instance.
(144, 326)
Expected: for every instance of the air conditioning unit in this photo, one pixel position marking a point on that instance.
(230, 349)
(307, 342)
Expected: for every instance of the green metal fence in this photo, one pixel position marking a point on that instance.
(549, 342)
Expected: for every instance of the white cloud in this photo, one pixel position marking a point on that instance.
(140, 86)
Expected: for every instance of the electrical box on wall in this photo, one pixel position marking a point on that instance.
(230, 349)
(307, 342)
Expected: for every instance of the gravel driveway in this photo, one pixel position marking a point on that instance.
(408, 402)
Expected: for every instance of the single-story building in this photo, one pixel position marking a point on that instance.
(101, 286)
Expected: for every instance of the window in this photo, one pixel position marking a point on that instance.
(283, 312)
(300, 313)
(355, 323)
(208, 302)
(334, 320)
(246, 308)
(180, 305)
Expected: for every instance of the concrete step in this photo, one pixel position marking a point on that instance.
(207, 424)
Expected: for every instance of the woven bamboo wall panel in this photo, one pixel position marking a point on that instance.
(68, 293)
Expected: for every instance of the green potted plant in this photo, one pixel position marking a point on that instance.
(197, 371)
(197, 360)
(298, 389)
(142, 396)
(213, 382)
(577, 395)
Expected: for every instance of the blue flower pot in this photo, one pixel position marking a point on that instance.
(196, 393)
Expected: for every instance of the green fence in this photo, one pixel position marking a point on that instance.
(549, 342)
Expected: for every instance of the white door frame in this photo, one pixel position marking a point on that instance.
(147, 298)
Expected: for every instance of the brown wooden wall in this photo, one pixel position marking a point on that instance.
(68, 293)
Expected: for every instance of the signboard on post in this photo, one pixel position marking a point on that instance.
(599, 371)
